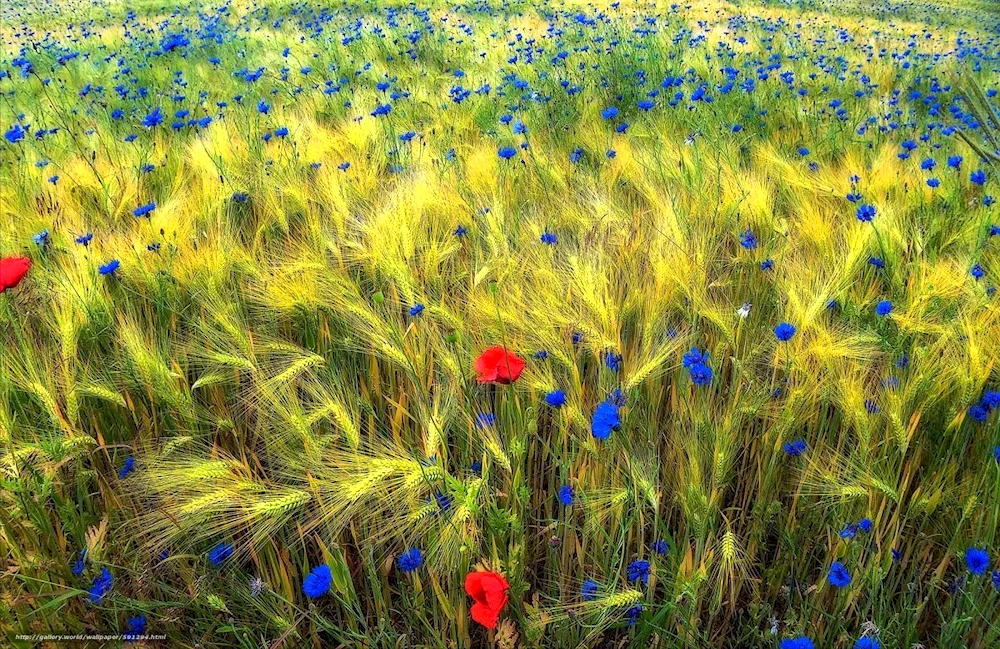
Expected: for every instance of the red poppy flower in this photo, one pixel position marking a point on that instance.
(497, 365)
(13, 270)
(490, 592)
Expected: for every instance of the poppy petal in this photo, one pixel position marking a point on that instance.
(474, 586)
(485, 615)
(12, 271)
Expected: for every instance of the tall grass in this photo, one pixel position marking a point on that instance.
(256, 355)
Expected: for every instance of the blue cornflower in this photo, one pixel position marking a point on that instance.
(443, 501)
(460, 231)
(541, 355)
(748, 240)
(101, 587)
(281, 131)
(143, 210)
(883, 308)
(381, 110)
(632, 615)
(661, 547)
(933, 183)
(549, 239)
(220, 553)
(154, 118)
(955, 161)
(556, 398)
(700, 373)
(865, 212)
(605, 420)
(803, 151)
(839, 575)
(566, 495)
(694, 356)
(896, 554)
(14, 134)
(507, 152)
(263, 107)
(317, 583)
(127, 467)
(613, 361)
(784, 331)
(610, 112)
(109, 268)
(794, 449)
(639, 571)
(849, 531)
(42, 238)
(646, 104)
(174, 41)
(995, 579)
(978, 177)
(79, 563)
(977, 560)
(588, 592)
(136, 626)
(575, 155)
(977, 271)
(416, 309)
(801, 642)
(876, 262)
(865, 525)
(485, 419)
(767, 264)
(410, 560)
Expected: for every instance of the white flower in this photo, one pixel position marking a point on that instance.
(744, 310)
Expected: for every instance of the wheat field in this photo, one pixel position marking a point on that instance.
(516, 324)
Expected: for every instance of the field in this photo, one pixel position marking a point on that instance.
(538, 323)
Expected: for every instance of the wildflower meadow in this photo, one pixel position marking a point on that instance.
(500, 323)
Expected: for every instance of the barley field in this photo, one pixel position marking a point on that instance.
(516, 324)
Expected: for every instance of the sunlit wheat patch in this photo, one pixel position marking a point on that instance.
(506, 323)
